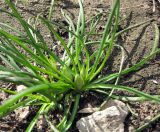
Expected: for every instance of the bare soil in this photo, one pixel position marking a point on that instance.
(137, 42)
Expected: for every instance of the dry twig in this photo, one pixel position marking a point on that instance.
(154, 5)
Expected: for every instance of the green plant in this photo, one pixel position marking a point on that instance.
(56, 82)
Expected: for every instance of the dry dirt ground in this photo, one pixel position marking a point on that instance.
(137, 42)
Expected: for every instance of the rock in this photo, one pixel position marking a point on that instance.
(3, 96)
(41, 123)
(88, 110)
(22, 113)
(131, 129)
(20, 88)
(108, 120)
(119, 104)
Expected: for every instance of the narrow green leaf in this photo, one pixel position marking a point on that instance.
(74, 111)
(128, 70)
(118, 87)
(156, 41)
(7, 104)
(105, 35)
(22, 103)
(35, 119)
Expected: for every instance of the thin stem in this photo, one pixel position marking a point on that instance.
(51, 10)
(117, 80)
(133, 26)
